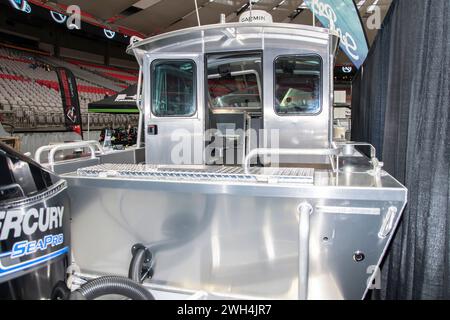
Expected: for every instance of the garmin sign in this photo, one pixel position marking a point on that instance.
(343, 17)
(256, 16)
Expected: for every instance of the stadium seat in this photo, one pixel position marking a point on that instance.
(30, 93)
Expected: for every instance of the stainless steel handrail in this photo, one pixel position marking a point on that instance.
(92, 144)
(286, 152)
(373, 152)
(377, 165)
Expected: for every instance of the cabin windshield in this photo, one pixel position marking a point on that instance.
(234, 80)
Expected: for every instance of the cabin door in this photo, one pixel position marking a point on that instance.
(174, 116)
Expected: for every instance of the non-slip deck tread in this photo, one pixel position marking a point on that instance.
(201, 173)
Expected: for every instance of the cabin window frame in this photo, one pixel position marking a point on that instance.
(300, 113)
(194, 88)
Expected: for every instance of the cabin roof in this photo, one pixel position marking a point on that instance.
(217, 32)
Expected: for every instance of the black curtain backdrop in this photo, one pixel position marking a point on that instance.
(401, 104)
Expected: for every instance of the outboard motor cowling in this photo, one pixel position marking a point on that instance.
(34, 228)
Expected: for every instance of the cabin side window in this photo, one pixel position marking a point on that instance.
(297, 85)
(173, 88)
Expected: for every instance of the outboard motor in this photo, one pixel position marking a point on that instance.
(34, 228)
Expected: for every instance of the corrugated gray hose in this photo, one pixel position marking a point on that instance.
(103, 286)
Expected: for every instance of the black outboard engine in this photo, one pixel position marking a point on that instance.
(34, 228)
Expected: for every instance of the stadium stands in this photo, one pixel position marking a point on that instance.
(29, 90)
(127, 76)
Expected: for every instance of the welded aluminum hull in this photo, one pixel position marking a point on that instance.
(235, 238)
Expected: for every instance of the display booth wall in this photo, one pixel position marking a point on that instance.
(401, 104)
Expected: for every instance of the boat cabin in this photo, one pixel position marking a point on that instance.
(212, 94)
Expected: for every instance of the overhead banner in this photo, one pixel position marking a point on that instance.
(69, 96)
(38, 12)
(343, 17)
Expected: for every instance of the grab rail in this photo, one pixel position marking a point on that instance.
(351, 144)
(348, 148)
(337, 150)
(66, 146)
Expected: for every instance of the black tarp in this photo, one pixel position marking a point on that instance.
(123, 102)
(401, 104)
